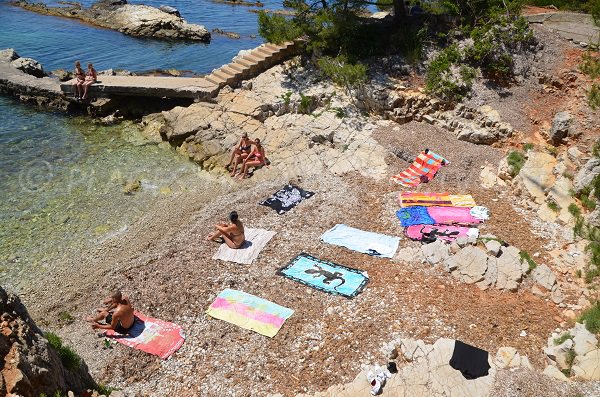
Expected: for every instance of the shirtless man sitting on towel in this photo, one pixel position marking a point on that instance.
(117, 315)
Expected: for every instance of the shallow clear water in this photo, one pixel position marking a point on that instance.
(62, 184)
(62, 177)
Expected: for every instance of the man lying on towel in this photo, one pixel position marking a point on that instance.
(117, 315)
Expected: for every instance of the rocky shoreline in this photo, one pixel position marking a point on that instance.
(131, 19)
(344, 145)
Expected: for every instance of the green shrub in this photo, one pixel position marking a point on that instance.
(277, 28)
(587, 202)
(562, 338)
(409, 43)
(593, 96)
(69, 358)
(574, 210)
(447, 77)
(525, 257)
(590, 64)
(286, 97)
(104, 390)
(596, 148)
(591, 318)
(305, 105)
(553, 206)
(515, 160)
(528, 146)
(493, 44)
(342, 72)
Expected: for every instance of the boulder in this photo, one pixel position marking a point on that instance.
(29, 66)
(584, 340)
(587, 366)
(471, 264)
(537, 175)
(62, 74)
(586, 174)
(507, 357)
(560, 127)
(544, 276)
(31, 367)
(435, 252)
(8, 55)
(493, 247)
(510, 269)
(561, 354)
(555, 373)
(480, 136)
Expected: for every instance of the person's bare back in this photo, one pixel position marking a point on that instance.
(118, 316)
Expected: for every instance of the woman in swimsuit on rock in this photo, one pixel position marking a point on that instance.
(232, 233)
(239, 153)
(90, 78)
(255, 159)
(79, 80)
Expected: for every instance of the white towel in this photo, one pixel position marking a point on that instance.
(374, 244)
(256, 239)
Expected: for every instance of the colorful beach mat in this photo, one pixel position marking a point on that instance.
(420, 215)
(286, 198)
(249, 312)
(423, 169)
(325, 276)
(370, 243)
(440, 232)
(427, 199)
(256, 240)
(152, 336)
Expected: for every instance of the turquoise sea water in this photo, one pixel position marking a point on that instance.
(61, 176)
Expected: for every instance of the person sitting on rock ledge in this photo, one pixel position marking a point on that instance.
(255, 159)
(232, 234)
(79, 80)
(117, 315)
(90, 78)
(239, 153)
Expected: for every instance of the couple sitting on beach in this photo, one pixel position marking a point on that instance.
(83, 80)
(247, 153)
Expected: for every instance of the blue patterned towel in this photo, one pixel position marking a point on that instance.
(325, 276)
(417, 215)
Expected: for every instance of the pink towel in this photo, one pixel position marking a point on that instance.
(151, 335)
(450, 215)
(443, 232)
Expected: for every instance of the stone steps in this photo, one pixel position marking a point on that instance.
(253, 63)
(244, 67)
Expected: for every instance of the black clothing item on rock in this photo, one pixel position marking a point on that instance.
(469, 360)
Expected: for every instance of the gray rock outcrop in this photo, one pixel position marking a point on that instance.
(584, 177)
(29, 66)
(560, 127)
(30, 366)
(132, 19)
(9, 55)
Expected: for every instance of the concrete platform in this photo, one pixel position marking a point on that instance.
(570, 25)
(171, 87)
